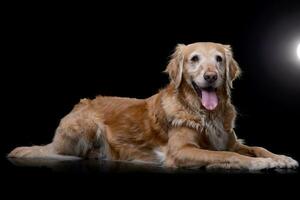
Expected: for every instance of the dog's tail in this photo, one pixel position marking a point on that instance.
(45, 151)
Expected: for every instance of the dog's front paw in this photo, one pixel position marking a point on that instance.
(262, 163)
(285, 162)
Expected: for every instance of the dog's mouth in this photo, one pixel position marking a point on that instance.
(207, 96)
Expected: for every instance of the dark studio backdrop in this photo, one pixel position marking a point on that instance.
(58, 54)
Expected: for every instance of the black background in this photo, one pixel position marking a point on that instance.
(56, 54)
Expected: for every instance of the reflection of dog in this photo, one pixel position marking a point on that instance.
(187, 124)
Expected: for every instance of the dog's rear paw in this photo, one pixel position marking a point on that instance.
(19, 152)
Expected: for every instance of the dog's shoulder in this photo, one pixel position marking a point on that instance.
(178, 115)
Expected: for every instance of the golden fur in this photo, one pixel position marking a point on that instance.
(171, 128)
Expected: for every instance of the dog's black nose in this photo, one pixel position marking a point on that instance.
(210, 76)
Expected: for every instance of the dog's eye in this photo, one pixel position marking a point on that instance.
(219, 58)
(195, 58)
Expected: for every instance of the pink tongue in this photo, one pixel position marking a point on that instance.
(209, 99)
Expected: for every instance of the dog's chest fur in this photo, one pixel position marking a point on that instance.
(215, 133)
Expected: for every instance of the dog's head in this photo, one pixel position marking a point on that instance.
(206, 68)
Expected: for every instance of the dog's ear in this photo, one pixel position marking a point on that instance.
(175, 66)
(233, 70)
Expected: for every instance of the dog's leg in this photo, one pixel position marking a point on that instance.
(184, 151)
(76, 136)
(282, 160)
(43, 151)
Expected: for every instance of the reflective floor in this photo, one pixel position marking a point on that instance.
(110, 167)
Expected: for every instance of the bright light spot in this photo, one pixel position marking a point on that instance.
(298, 51)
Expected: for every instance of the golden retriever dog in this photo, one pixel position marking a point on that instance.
(189, 123)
